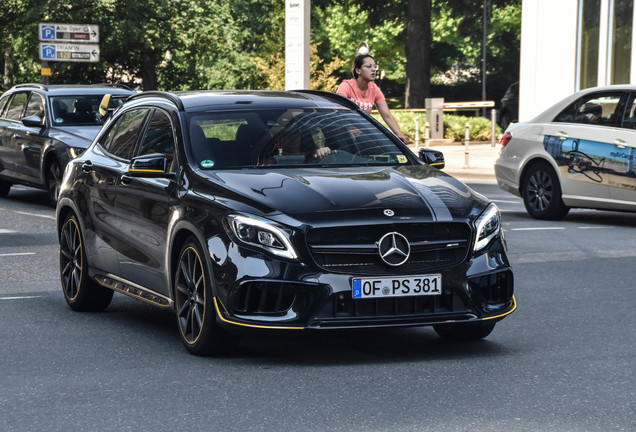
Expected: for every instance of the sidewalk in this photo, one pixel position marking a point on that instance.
(481, 160)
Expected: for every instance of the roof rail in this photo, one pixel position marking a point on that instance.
(161, 94)
(115, 85)
(39, 86)
(334, 97)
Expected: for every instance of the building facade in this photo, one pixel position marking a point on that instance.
(570, 45)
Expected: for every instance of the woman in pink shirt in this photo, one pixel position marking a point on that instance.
(363, 91)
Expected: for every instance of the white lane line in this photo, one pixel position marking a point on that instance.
(536, 229)
(19, 297)
(596, 227)
(7, 231)
(34, 214)
(16, 254)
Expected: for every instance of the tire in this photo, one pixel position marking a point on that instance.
(5, 187)
(541, 193)
(81, 293)
(53, 181)
(194, 304)
(465, 331)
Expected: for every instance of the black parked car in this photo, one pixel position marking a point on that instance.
(43, 127)
(276, 210)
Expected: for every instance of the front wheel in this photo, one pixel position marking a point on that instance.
(53, 182)
(80, 292)
(541, 193)
(465, 331)
(194, 304)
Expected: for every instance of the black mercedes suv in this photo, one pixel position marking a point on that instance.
(43, 127)
(276, 210)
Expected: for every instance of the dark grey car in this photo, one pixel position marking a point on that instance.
(43, 127)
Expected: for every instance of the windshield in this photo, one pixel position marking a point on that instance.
(291, 137)
(76, 110)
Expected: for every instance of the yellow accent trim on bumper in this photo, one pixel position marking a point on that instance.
(218, 311)
(514, 302)
(145, 170)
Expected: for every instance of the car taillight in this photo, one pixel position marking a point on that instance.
(505, 139)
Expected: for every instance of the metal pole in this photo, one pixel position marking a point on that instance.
(493, 121)
(483, 52)
(466, 147)
(417, 131)
(427, 135)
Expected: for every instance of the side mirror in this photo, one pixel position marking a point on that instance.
(151, 166)
(33, 121)
(432, 158)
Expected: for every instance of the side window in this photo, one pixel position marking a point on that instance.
(629, 121)
(601, 109)
(35, 106)
(158, 137)
(122, 138)
(3, 105)
(16, 105)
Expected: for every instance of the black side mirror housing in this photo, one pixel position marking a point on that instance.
(33, 121)
(432, 157)
(151, 166)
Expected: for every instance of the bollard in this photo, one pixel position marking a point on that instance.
(427, 134)
(466, 147)
(493, 120)
(417, 131)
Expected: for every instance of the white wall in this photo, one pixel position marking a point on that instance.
(548, 54)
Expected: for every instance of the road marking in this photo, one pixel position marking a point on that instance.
(17, 254)
(596, 227)
(34, 214)
(7, 231)
(19, 297)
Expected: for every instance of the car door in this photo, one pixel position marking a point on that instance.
(144, 209)
(622, 184)
(102, 173)
(581, 139)
(28, 142)
(11, 129)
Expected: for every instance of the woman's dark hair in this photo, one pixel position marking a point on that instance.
(357, 63)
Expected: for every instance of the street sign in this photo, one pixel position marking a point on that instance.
(69, 52)
(52, 32)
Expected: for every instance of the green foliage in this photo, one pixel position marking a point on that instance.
(454, 125)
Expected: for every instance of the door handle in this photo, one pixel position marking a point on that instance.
(562, 135)
(87, 167)
(17, 136)
(620, 143)
(126, 179)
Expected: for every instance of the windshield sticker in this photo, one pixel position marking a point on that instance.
(402, 159)
(207, 163)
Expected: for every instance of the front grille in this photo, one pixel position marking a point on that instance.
(264, 298)
(343, 310)
(354, 250)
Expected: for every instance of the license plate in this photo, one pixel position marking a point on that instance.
(397, 287)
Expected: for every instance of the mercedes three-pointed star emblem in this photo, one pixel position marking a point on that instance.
(394, 249)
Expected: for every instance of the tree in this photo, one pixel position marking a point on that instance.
(418, 48)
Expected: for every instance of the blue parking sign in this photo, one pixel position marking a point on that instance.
(48, 51)
(48, 32)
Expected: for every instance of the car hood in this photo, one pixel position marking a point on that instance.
(77, 136)
(308, 194)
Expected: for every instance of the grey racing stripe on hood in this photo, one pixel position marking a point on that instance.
(439, 210)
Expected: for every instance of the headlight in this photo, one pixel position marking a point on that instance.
(487, 226)
(76, 151)
(263, 234)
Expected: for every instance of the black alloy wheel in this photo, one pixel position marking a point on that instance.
(465, 331)
(194, 304)
(542, 193)
(80, 292)
(53, 181)
(5, 186)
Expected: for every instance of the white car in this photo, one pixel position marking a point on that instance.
(578, 153)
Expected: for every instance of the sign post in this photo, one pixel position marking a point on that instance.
(68, 43)
(297, 49)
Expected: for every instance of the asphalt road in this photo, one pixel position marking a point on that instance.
(564, 361)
